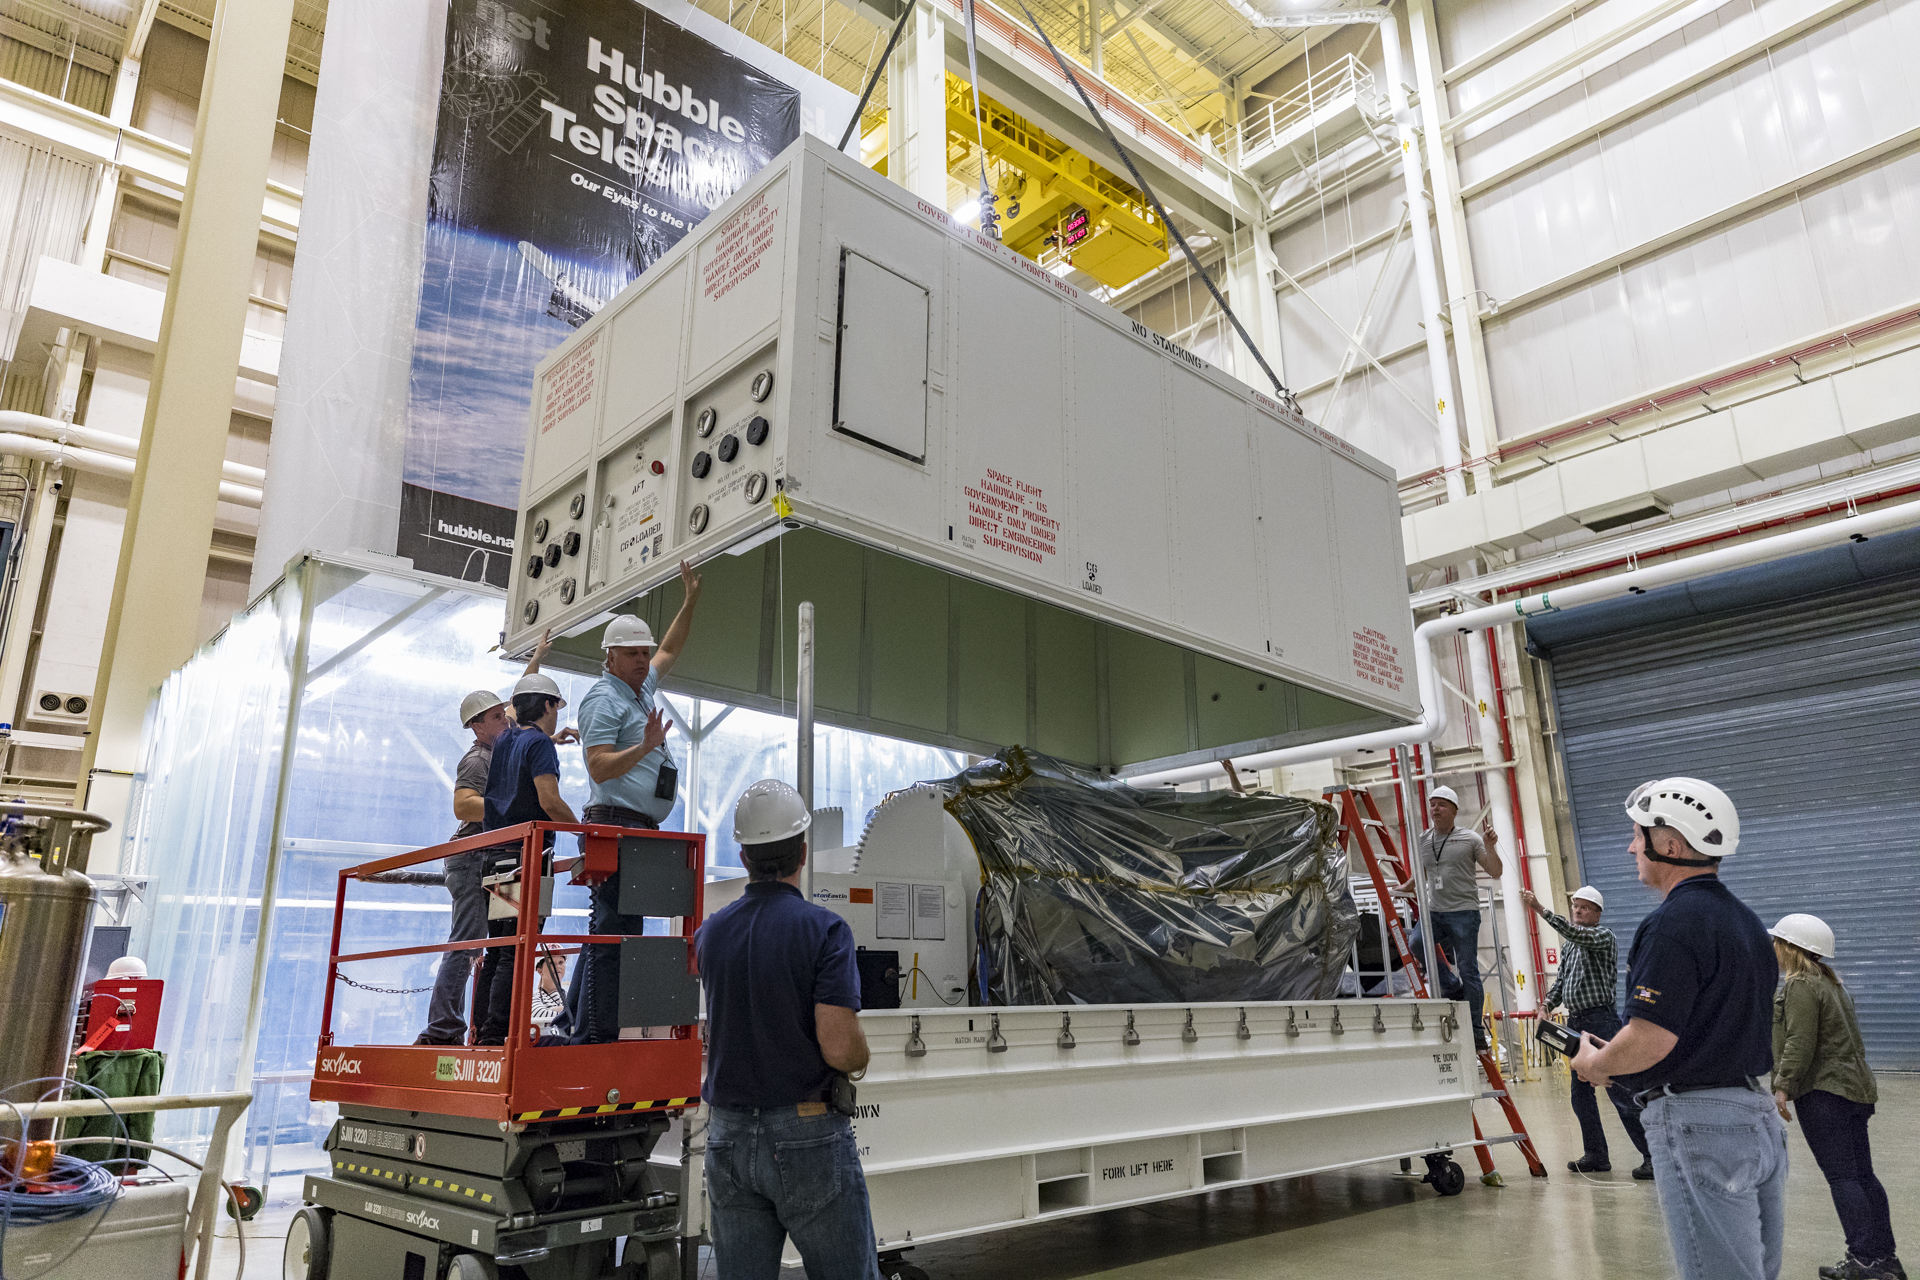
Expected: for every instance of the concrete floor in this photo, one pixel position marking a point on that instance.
(1369, 1222)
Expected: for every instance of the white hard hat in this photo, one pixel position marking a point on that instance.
(477, 704)
(627, 631)
(1587, 893)
(1700, 811)
(1809, 933)
(1448, 794)
(767, 811)
(135, 967)
(538, 683)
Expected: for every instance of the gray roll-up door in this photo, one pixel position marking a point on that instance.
(1806, 709)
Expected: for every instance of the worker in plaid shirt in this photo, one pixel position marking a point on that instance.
(1589, 964)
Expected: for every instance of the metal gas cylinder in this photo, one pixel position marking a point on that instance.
(46, 906)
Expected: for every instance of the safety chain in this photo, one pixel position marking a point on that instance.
(385, 991)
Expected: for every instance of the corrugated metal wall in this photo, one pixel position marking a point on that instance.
(1808, 713)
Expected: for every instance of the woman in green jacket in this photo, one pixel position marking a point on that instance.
(1819, 1063)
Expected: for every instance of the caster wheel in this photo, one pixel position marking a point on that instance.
(245, 1202)
(1448, 1178)
(897, 1269)
(309, 1245)
(471, 1266)
(663, 1261)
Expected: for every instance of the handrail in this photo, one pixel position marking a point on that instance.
(200, 1215)
(1344, 75)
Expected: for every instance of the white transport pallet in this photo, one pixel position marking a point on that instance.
(827, 344)
(974, 1119)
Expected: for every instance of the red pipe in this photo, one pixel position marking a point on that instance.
(1519, 819)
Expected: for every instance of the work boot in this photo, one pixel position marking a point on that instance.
(425, 1039)
(1644, 1170)
(1591, 1164)
(1852, 1268)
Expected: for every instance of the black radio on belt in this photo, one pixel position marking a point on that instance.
(840, 1094)
(667, 784)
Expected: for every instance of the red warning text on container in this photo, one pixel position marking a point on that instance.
(1012, 517)
(1376, 660)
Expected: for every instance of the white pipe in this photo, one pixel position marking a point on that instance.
(33, 424)
(1439, 367)
(1433, 717)
(104, 464)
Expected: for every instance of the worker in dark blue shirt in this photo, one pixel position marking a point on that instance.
(523, 785)
(1700, 981)
(782, 994)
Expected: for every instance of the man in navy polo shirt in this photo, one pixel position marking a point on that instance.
(1700, 982)
(782, 994)
(523, 785)
(634, 780)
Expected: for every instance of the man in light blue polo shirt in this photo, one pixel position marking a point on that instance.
(633, 780)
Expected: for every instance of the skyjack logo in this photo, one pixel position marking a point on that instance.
(340, 1065)
(470, 534)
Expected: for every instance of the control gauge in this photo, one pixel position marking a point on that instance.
(705, 424)
(756, 486)
(762, 385)
(697, 519)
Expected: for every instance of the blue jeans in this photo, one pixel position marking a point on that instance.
(773, 1173)
(1836, 1129)
(446, 1010)
(1459, 933)
(1720, 1165)
(1604, 1024)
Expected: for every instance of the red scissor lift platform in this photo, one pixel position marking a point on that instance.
(528, 1153)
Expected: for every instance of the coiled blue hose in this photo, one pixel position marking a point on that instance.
(98, 1188)
(94, 1187)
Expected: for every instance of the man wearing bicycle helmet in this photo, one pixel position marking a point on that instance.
(1700, 981)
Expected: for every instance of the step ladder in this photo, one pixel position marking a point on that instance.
(1360, 825)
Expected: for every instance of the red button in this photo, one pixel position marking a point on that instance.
(659, 467)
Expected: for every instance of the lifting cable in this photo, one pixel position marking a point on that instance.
(1279, 387)
(906, 12)
(989, 216)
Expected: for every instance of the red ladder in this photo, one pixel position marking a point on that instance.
(1360, 822)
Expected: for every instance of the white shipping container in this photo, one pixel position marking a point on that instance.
(828, 354)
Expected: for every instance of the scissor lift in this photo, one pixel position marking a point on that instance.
(528, 1159)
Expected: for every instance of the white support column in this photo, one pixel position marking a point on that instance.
(155, 616)
(106, 201)
(1250, 272)
(1096, 60)
(917, 107)
(1456, 252)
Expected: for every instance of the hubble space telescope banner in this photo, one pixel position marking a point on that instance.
(576, 145)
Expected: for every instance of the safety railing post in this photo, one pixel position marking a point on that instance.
(803, 755)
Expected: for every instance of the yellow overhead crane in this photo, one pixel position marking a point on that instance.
(1055, 204)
